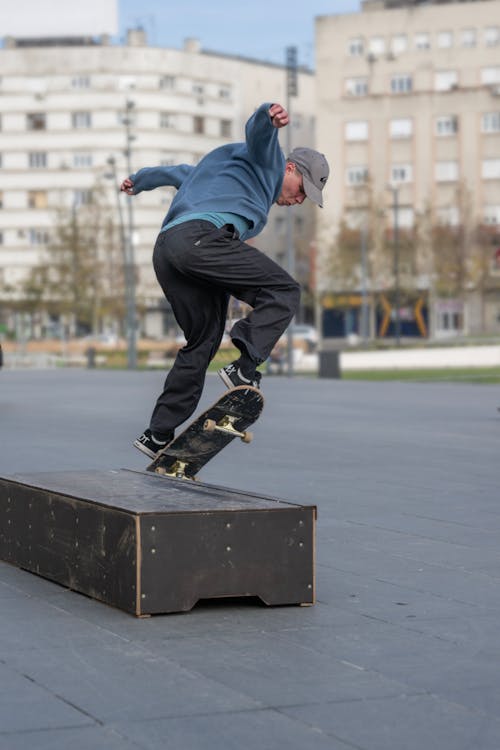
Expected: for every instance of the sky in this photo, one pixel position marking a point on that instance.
(252, 28)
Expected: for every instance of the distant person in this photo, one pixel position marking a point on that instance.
(200, 259)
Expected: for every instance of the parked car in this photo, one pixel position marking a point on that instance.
(308, 334)
(103, 339)
(304, 337)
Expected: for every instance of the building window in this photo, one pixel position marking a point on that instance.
(81, 120)
(226, 128)
(445, 80)
(38, 237)
(82, 160)
(490, 75)
(1, 161)
(468, 38)
(422, 41)
(451, 321)
(356, 47)
(167, 82)
(405, 217)
(36, 121)
(167, 120)
(356, 86)
(490, 169)
(80, 82)
(449, 316)
(82, 198)
(446, 125)
(492, 36)
(399, 43)
(1, 238)
(352, 218)
(356, 130)
(490, 122)
(401, 173)
(376, 45)
(37, 199)
(401, 128)
(356, 175)
(130, 117)
(445, 39)
(198, 124)
(491, 215)
(446, 171)
(37, 159)
(225, 92)
(448, 216)
(126, 83)
(1, 200)
(401, 84)
(198, 89)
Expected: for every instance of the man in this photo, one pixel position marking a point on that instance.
(200, 259)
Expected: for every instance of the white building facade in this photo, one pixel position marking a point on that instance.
(409, 101)
(62, 108)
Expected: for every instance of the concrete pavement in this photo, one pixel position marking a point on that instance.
(401, 650)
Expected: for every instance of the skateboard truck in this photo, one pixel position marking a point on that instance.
(177, 470)
(226, 425)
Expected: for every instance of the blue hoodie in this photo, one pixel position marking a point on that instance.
(239, 178)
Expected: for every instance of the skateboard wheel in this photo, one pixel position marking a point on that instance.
(247, 437)
(210, 425)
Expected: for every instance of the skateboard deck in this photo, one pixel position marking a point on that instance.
(228, 418)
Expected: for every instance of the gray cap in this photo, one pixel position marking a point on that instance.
(314, 169)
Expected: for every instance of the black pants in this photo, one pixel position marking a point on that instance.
(198, 267)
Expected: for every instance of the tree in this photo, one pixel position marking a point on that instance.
(485, 267)
(452, 248)
(80, 274)
(368, 215)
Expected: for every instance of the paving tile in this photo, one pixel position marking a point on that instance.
(251, 730)
(278, 669)
(114, 680)
(76, 738)
(406, 722)
(26, 705)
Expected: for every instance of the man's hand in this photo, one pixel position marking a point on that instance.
(279, 116)
(127, 186)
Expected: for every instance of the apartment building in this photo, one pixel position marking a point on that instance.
(409, 112)
(63, 109)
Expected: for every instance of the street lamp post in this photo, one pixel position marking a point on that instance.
(129, 265)
(365, 328)
(291, 90)
(395, 204)
(123, 237)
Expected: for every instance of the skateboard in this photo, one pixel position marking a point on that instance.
(228, 418)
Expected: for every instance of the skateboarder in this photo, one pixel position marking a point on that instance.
(200, 258)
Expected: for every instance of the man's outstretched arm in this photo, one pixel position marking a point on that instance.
(150, 178)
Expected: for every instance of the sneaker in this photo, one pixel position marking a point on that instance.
(232, 376)
(150, 445)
